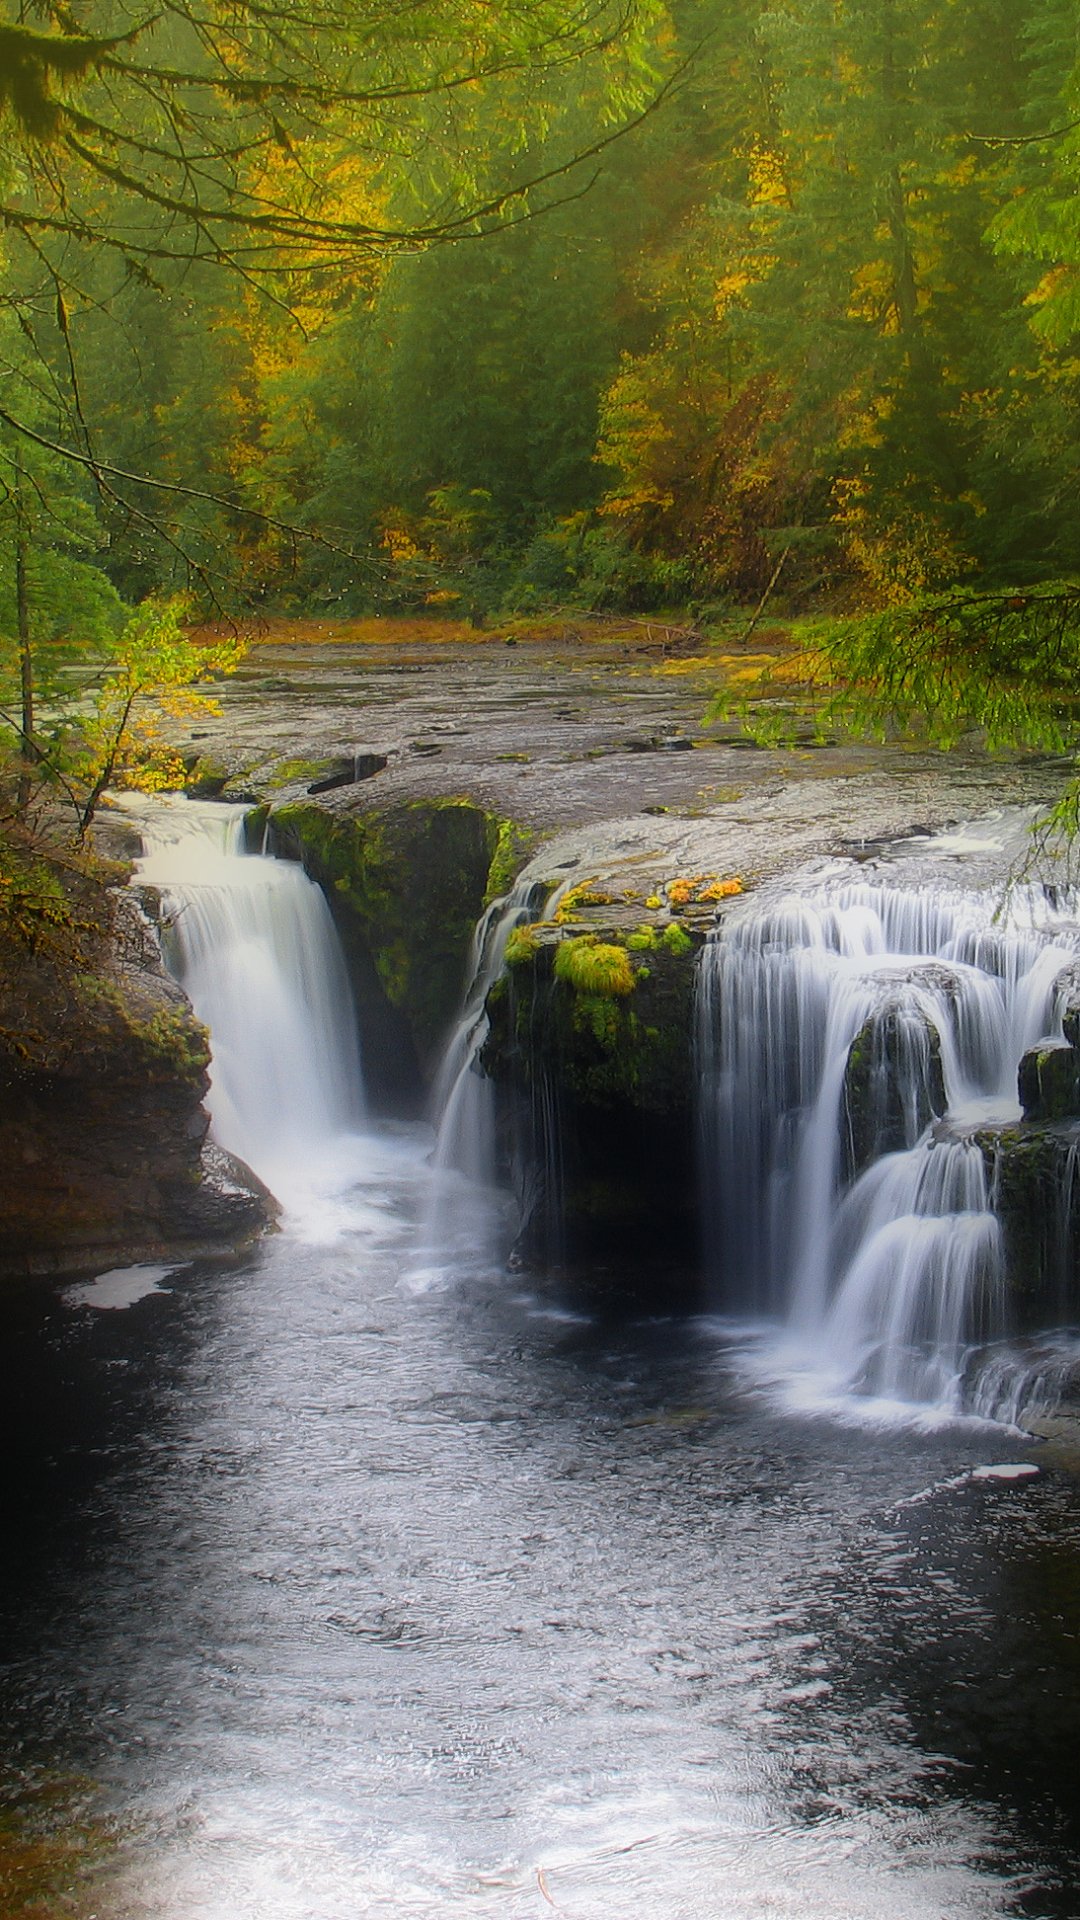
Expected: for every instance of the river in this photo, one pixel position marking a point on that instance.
(342, 1582)
(356, 1595)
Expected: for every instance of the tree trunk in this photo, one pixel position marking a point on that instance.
(26, 653)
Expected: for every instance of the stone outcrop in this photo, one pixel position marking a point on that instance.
(591, 1046)
(890, 1097)
(1049, 1083)
(406, 887)
(1034, 1174)
(103, 1140)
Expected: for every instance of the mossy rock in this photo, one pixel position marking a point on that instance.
(600, 1086)
(1049, 1083)
(1032, 1174)
(610, 1031)
(406, 888)
(887, 1105)
(207, 777)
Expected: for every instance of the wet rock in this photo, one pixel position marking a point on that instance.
(228, 1202)
(597, 1094)
(894, 1084)
(1049, 1082)
(1033, 1173)
(207, 777)
(109, 1133)
(346, 770)
(657, 743)
(406, 887)
(1069, 1004)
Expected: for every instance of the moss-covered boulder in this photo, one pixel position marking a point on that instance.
(894, 1084)
(1049, 1083)
(1034, 1174)
(591, 1043)
(406, 888)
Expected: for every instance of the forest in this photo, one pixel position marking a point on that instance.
(459, 309)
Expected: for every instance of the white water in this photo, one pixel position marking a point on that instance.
(252, 942)
(871, 1237)
(463, 1099)
(467, 1211)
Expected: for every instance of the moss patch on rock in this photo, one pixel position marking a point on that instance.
(601, 1077)
(1049, 1083)
(596, 968)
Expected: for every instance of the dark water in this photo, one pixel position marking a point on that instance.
(341, 1591)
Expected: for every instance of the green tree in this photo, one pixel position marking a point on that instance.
(54, 597)
(151, 671)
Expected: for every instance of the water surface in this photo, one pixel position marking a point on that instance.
(353, 1589)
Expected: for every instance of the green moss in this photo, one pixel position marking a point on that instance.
(513, 845)
(643, 940)
(676, 940)
(598, 1015)
(173, 1041)
(521, 946)
(288, 773)
(207, 777)
(169, 1044)
(1027, 1166)
(1050, 1083)
(594, 967)
(604, 1050)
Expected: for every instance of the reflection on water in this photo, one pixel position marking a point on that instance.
(358, 1598)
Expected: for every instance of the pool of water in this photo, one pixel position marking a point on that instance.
(336, 1585)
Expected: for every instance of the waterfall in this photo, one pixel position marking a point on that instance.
(852, 1037)
(463, 1098)
(464, 1214)
(252, 942)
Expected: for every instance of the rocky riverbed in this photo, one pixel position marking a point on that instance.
(567, 735)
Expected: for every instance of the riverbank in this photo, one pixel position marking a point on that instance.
(103, 1075)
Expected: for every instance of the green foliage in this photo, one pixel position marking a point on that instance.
(593, 967)
(1004, 663)
(522, 946)
(151, 672)
(36, 914)
(675, 939)
(644, 939)
(811, 332)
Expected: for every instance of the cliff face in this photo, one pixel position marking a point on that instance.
(405, 887)
(103, 1069)
(591, 1045)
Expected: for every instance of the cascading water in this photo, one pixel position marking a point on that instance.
(252, 943)
(465, 1206)
(463, 1099)
(852, 1039)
